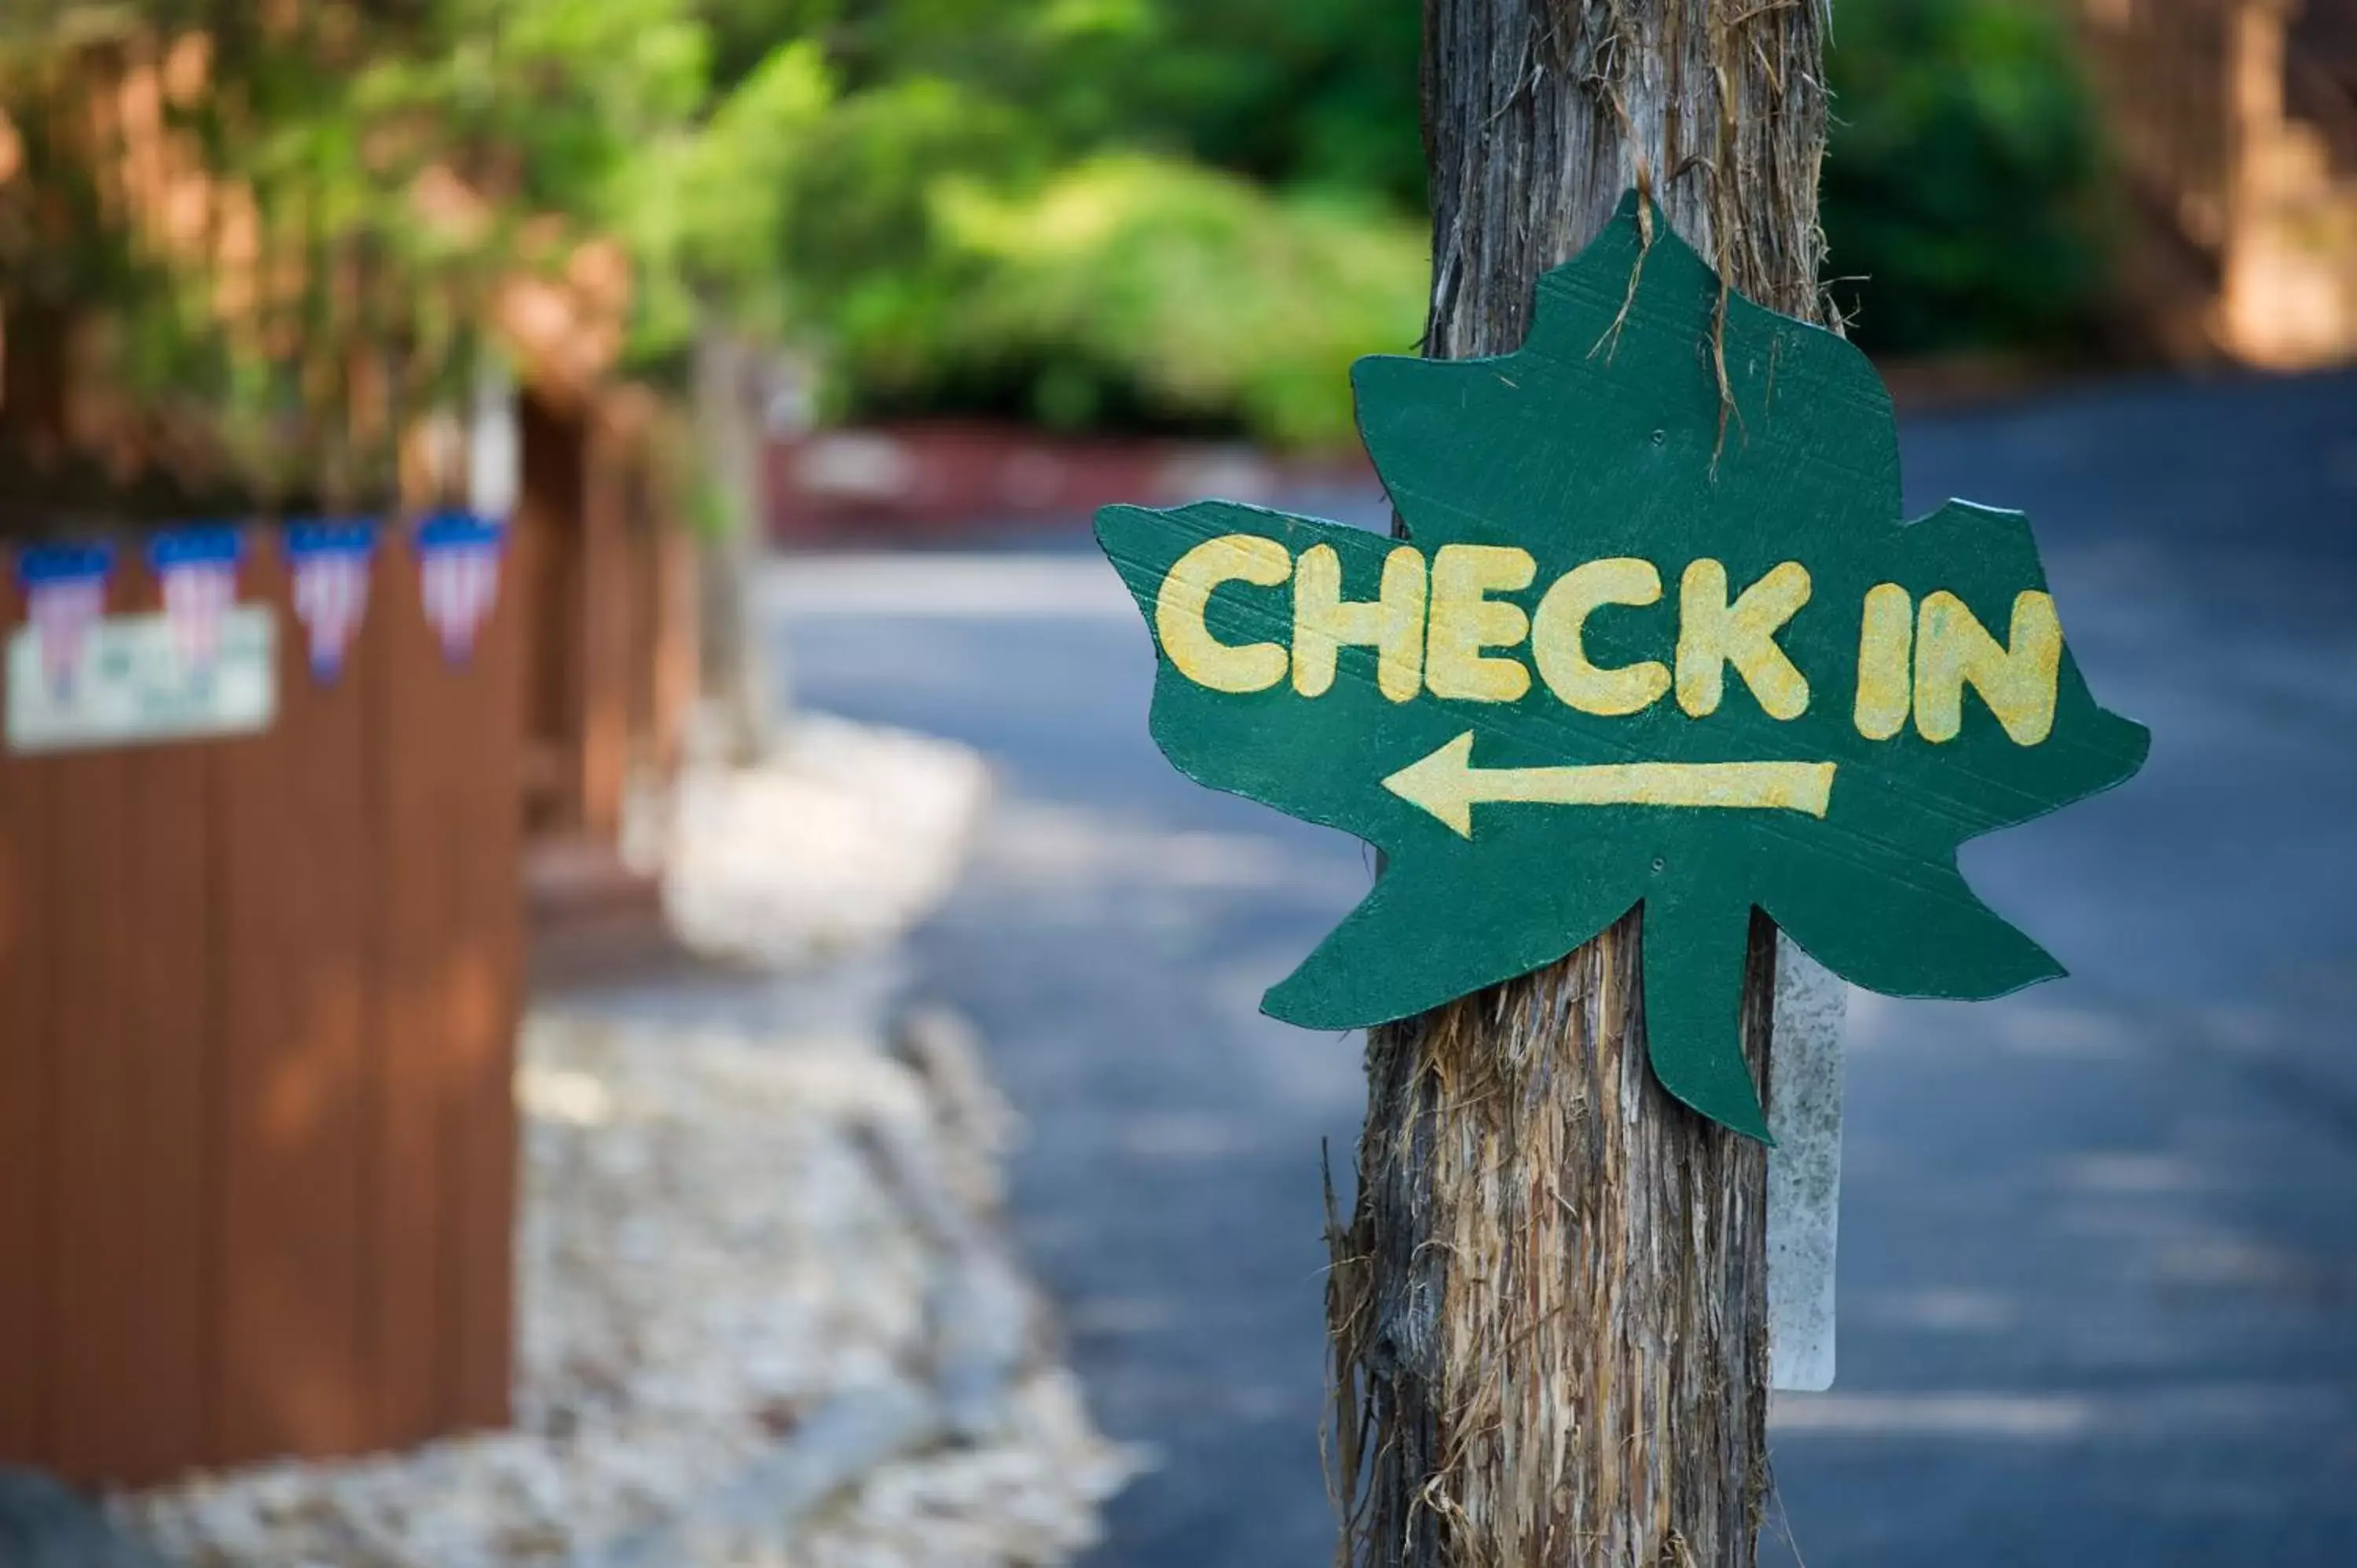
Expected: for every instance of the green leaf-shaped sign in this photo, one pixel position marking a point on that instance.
(1658, 635)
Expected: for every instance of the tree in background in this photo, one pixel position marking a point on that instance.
(1965, 194)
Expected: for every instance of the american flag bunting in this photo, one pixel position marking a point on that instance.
(458, 572)
(330, 563)
(65, 595)
(197, 568)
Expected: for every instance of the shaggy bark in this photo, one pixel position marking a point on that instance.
(1549, 1309)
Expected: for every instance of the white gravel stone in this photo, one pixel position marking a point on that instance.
(842, 839)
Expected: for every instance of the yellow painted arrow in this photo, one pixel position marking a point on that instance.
(1448, 785)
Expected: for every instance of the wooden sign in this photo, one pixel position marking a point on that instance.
(1656, 634)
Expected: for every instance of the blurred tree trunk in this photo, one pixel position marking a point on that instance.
(1549, 1309)
(34, 373)
(737, 687)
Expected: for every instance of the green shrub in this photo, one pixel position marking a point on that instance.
(1145, 213)
(1125, 289)
(1195, 213)
(1209, 296)
(1964, 188)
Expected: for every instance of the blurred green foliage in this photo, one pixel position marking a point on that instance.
(1965, 194)
(1117, 278)
(1191, 290)
(1167, 212)
(1185, 213)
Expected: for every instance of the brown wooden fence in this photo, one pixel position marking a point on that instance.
(257, 1005)
(610, 668)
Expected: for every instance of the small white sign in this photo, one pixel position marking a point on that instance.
(132, 682)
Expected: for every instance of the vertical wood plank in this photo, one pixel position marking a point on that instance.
(27, 1355)
(546, 572)
(590, 449)
(417, 745)
(487, 964)
(168, 988)
(295, 949)
(92, 1285)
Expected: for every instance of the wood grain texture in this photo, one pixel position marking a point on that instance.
(485, 1002)
(547, 572)
(1548, 1308)
(25, 1066)
(257, 1005)
(94, 1299)
(171, 1022)
(412, 1290)
(611, 643)
(293, 950)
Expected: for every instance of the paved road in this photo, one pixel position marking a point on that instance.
(2099, 1248)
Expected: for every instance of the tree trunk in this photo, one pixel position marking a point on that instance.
(739, 684)
(1549, 1309)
